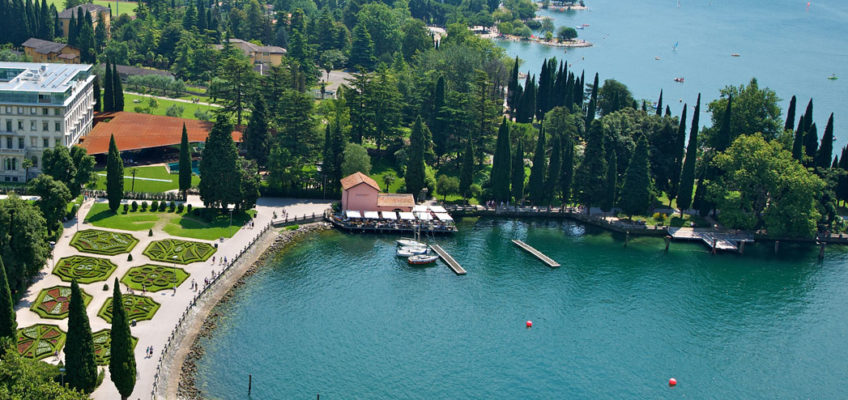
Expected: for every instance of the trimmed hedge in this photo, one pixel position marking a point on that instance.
(103, 242)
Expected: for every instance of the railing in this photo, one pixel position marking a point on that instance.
(303, 219)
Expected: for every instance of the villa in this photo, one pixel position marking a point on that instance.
(361, 193)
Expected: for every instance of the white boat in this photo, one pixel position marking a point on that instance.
(422, 259)
(408, 251)
(410, 243)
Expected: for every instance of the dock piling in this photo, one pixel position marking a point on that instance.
(249, 383)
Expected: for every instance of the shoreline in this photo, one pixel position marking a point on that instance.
(569, 43)
(563, 8)
(181, 384)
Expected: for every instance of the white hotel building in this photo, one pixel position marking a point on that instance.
(41, 106)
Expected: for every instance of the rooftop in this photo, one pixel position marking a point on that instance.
(248, 47)
(94, 9)
(43, 78)
(357, 178)
(395, 200)
(44, 46)
(135, 131)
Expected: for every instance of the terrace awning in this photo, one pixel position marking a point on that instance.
(352, 214)
(444, 217)
(372, 215)
(424, 216)
(438, 209)
(407, 216)
(420, 208)
(389, 215)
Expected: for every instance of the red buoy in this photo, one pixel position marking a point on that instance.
(672, 382)
(529, 324)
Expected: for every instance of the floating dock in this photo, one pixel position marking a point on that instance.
(448, 259)
(715, 240)
(545, 259)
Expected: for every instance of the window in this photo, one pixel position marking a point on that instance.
(33, 110)
(11, 164)
(8, 142)
(57, 126)
(56, 111)
(34, 162)
(45, 142)
(32, 125)
(45, 126)
(33, 141)
(20, 142)
(20, 125)
(20, 110)
(45, 111)
(8, 125)
(8, 109)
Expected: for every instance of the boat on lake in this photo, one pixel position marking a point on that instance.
(735, 55)
(409, 243)
(422, 259)
(679, 79)
(409, 251)
(833, 77)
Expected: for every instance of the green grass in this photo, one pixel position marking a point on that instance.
(141, 185)
(162, 106)
(126, 7)
(179, 251)
(101, 216)
(675, 220)
(193, 226)
(176, 224)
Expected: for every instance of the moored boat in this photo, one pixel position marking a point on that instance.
(409, 242)
(408, 251)
(421, 259)
(679, 79)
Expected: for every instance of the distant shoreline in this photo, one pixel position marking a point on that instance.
(552, 43)
(551, 7)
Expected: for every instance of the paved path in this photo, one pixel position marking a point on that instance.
(173, 99)
(156, 331)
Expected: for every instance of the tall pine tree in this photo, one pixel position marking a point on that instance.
(593, 102)
(679, 146)
(121, 359)
(590, 179)
(8, 325)
(552, 177)
(798, 142)
(536, 187)
(790, 116)
(825, 150)
(114, 176)
(108, 89)
(118, 89)
(518, 172)
(185, 163)
(466, 173)
(257, 139)
(687, 176)
(499, 180)
(659, 104)
(220, 174)
(79, 349)
(637, 181)
(612, 182)
(811, 145)
(98, 104)
(415, 169)
(566, 176)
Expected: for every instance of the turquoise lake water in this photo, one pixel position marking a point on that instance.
(786, 46)
(340, 315)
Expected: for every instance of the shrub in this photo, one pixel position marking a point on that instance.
(154, 206)
(188, 208)
(143, 206)
(150, 232)
(134, 206)
(180, 208)
(172, 206)
(174, 110)
(126, 208)
(129, 257)
(162, 205)
(105, 287)
(659, 217)
(292, 227)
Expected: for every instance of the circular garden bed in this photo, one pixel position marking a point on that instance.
(103, 346)
(153, 278)
(53, 302)
(103, 242)
(40, 341)
(179, 251)
(84, 269)
(139, 308)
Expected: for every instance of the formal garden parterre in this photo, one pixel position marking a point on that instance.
(138, 308)
(40, 341)
(153, 278)
(179, 251)
(103, 344)
(84, 269)
(103, 242)
(53, 302)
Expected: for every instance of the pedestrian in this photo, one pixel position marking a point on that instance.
(213, 259)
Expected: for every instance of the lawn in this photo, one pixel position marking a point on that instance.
(125, 7)
(132, 101)
(142, 185)
(176, 224)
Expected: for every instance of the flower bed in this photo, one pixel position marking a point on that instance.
(84, 269)
(103, 346)
(40, 341)
(139, 308)
(103, 242)
(179, 251)
(153, 278)
(53, 302)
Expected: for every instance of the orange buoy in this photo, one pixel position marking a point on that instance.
(672, 382)
(529, 324)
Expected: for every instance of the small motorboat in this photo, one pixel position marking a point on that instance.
(657, 58)
(735, 55)
(408, 251)
(679, 79)
(421, 259)
(832, 77)
(410, 243)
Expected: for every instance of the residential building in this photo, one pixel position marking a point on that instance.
(267, 55)
(41, 106)
(99, 14)
(361, 193)
(41, 51)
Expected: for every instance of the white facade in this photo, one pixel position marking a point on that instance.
(41, 106)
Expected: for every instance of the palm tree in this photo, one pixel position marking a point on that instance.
(388, 179)
(27, 164)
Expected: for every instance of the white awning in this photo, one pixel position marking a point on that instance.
(424, 216)
(444, 217)
(438, 209)
(372, 215)
(352, 214)
(388, 214)
(420, 208)
(407, 216)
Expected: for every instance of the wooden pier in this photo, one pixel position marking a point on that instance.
(448, 259)
(545, 259)
(714, 239)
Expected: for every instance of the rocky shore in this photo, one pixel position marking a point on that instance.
(187, 388)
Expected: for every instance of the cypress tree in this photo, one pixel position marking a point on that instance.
(512, 88)
(466, 174)
(566, 176)
(46, 23)
(554, 168)
(98, 104)
(438, 118)
(8, 325)
(593, 102)
(536, 188)
(842, 185)
(790, 116)
(798, 142)
(723, 139)
(808, 121)
(327, 157)
(118, 89)
(79, 349)
(679, 145)
(501, 164)
(687, 176)
(518, 172)
(667, 111)
(185, 162)
(415, 170)
(257, 138)
(72, 31)
(811, 145)
(835, 163)
(659, 104)
(108, 90)
(114, 176)
(542, 94)
(826, 148)
(589, 181)
(637, 181)
(612, 182)
(339, 144)
(122, 358)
